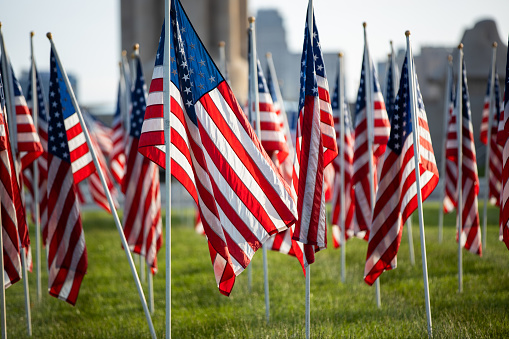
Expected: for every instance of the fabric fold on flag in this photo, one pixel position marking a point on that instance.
(215, 154)
(396, 197)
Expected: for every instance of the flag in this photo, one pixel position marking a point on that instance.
(315, 146)
(142, 203)
(215, 154)
(351, 228)
(117, 154)
(451, 168)
(381, 133)
(470, 234)
(396, 198)
(12, 212)
(69, 162)
(272, 133)
(495, 160)
(503, 140)
(102, 133)
(390, 87)
(282, 242)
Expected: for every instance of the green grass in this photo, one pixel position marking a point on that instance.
(108, 304)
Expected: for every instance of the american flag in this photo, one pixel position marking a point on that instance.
(348, 192)
(390, 87)
(470, 234)
(215, 154)
(282, 242)
(396, 198)
(503, 140)
(12, 212)
(142, 203)
(272, 133)
(102, 133)
(381, 133)
(315, 146)
(451, 168)
(69, 162)
(118, 137)
(495, 160)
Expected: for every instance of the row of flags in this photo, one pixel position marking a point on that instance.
(247, 189)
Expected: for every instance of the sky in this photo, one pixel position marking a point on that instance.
(87, 33)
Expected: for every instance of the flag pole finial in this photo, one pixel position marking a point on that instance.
(340, 54)
(390, 42)
(268, 55)
(221, 44)
(364, 24)
(49, 35)
(251, 19)
(495, 44)
(32, 33)
(449, 58)
(407, 33)
(136, 47)
(460, 46)
(124, 52)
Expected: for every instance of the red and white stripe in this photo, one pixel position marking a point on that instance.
(283, 243)
(503, 140)
(451, 168)
(117, 154)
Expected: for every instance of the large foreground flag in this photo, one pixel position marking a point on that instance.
(470, 235)
(495, 161)
(381, 131)
(396, 197)
(142, 204)
(215, 154)
(315, 146)
(69, 162)
(12, 213)
(503, 140)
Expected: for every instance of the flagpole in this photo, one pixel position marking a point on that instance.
(488, 146)
(369, 117)
(127, 90)
(308, 267)
(222, 57)
(150, 281)
(341, 102)
(35, 179)
(413, 106)
(167, 149)
(13, 128)
(106, 190)
(444, 142)
(2, 282)
(459, 118)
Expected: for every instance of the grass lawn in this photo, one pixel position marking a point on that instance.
(108, 305)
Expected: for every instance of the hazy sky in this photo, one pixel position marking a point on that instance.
(87, 33)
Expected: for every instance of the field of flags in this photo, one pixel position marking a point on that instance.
(256, 181)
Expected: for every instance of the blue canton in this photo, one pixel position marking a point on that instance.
(270, 86)
(262, 84)
(139, 103)
(389, 96)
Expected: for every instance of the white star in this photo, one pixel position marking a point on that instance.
(320, 67)
(212, 79)
(189, 103)
(185, 77)
(54, 148)
(64, 154)
(187, 90)
(202, 63)
(62, 144)
(52, 94)
(183, 64)
(396, 146)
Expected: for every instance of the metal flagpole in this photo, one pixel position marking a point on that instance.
(2, 282)
(256, 103)
(222, 58)
(35, 179)
(250, 114)
(106, 190)
(448, 89)
(341, 102)
(488, 146)
(308, 267)
(459, 118)
(126, 90)
(413, 110)
(369, 116)
(13, 128)
(167, 149)
(150, 281)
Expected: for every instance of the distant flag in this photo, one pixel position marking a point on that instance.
(503, 140)
(495, 160)
(118, 137)
(470, 235)
(102, 134)
(215, 154)
(451, 167)
(381, 133)
(396, 197)
(390, 87)
(69, 162)
(351, 228)
(142, 204)
(12, 213)
(315, 147)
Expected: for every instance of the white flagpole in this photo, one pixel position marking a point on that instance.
(308, 267)
(150, 281)
(413, 110)
(106, 190)
(13, 128)
(488, 146)
(35, 179)
(256, 102)
(459, 118)
(342, 216)
(2, 283)
(167, 149)
(222, 57)
(127, 85)
(448, 86)
(369, 116)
